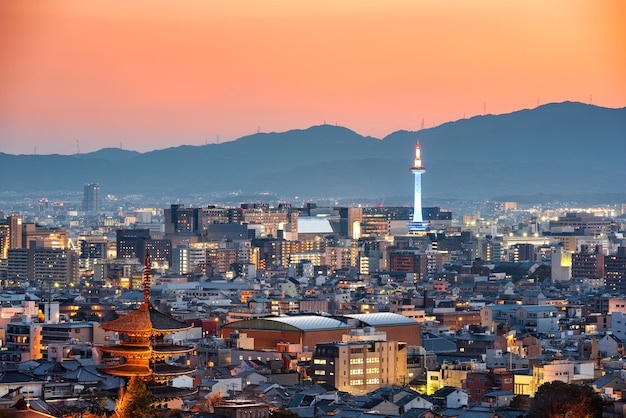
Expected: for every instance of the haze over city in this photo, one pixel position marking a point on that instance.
(79, 76)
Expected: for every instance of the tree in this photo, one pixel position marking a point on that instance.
(210, 401)
(564, 400)
(136, 401)
(282, 413)
(542, 272)
(520, 402)
(97, 403)
(515, 272)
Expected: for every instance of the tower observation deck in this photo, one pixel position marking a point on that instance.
(417, 223)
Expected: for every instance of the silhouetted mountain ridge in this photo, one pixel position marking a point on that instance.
(561, 148)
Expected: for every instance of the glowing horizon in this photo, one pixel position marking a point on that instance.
(156, 74)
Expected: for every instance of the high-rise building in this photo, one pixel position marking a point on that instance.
(54, 266)
(587, 265)
(423, 263)
(615, 271)
(417, 223)
(522, 252)
(10, 235)
(183, 221)
(33, 235)
(91, 197)
(93, 247)
(131, 243)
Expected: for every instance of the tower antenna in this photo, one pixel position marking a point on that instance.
(77, 147)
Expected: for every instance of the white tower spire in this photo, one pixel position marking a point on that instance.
(417, 224)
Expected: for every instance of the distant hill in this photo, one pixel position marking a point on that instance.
(109, 154)
(557, 149)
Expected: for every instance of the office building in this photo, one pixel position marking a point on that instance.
(615, 271)
(362, 362)
(183, 221)
(91, 198)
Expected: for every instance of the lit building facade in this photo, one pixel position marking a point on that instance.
(360, 364)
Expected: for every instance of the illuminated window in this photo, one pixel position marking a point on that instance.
(319, 361)
(356, 372)
(373, 381)
(356, 361)
(372, 360)
(356, 382)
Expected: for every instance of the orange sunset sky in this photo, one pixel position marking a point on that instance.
(149, 74)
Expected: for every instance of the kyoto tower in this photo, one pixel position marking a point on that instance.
(417, 224)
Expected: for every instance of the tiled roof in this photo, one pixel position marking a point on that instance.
(13, 376)
(165, 392)
(146, 319)
(82, 375)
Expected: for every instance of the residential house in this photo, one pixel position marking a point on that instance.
(610, 346)
(450, 397)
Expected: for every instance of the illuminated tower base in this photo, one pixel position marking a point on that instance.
(417, 224)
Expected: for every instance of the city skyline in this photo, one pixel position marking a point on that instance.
(77, 77)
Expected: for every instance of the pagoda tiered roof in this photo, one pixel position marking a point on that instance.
(170, 392)
(125, 370)
(127, 349)
(170, 370)
(145, 321)
(156, 350)
(171, 349)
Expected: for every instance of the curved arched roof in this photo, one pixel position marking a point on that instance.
(380, 319)
(289, 323)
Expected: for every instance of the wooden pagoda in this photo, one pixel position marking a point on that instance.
(143, 351)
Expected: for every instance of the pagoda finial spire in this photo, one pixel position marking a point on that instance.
(146, 278)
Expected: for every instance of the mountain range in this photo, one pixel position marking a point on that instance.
(559, 149)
